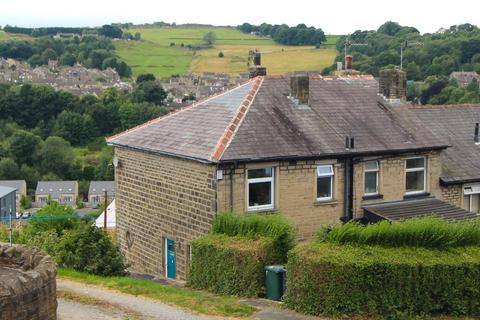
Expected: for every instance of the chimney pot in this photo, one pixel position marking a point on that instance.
(257, 58)
(257, 69)
(348, 62)
(300, 88)
(393, 84)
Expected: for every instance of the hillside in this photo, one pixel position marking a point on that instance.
(161, 52)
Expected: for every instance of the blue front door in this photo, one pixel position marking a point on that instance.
(171, 260)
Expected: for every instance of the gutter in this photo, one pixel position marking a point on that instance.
(446, 183)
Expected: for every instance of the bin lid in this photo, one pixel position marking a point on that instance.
(276, 269)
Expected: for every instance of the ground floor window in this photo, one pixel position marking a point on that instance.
(260, 189)
(471, 198)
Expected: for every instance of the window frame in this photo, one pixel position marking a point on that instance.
(424, 169)
(377, 178)
(323, 175)
(271, 179)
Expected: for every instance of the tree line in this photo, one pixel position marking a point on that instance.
(41, 129)
(107, 30)
(282, 33)
(91, 51)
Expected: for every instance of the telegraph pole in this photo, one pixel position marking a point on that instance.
(11, 229)
(404, 46)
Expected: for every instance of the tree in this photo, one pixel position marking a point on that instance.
(221, 55)
(67, 59)
(23, 145)
(35, 60)
(9, 169)
(76, 128)
(137, 36)
(145, 77)
(149, 91)
(210, 38)
(389, 28)
(49, 54)
(110, 31)
(56, 156)
(132, 114)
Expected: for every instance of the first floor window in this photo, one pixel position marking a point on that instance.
(371, 177)
(261, 189)
(325, 175)
(415, 175)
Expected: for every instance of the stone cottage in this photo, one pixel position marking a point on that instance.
(320, 150)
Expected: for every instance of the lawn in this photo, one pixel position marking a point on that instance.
(154, 53)
(197, 301)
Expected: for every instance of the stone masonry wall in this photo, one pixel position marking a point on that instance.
(295, 189)
(27, 284)
(453, 195)
(159, 197)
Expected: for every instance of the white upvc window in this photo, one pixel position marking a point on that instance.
(471, 198)
(261, 189)
(371, 173)
(325, 175)
(415, 175)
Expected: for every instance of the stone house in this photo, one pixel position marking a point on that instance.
(458, 126)
(96, 192)
(63, 192)
(319, 150)
(19, 185)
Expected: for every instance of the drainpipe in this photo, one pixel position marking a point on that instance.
(348, 183)
(232, 170)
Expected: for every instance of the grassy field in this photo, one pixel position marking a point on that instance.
(8, 36)
(154, 53)
(197, 301)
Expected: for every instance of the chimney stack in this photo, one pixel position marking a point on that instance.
(348, 62)
(393, 84)
(476, 138)
(300, 88)
(257, 69)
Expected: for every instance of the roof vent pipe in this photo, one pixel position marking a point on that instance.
(476, 137)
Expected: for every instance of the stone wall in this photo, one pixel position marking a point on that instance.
(160, 197)
(453, 195)
(295, 189)
(27, 284)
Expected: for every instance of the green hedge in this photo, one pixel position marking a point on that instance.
(428, 232)
(333, 279)
(230, 265)
(252, 225)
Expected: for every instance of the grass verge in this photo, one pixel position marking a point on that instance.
(200, 302)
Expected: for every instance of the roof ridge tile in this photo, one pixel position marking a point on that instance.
(236, 121)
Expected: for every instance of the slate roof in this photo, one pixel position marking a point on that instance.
(259, 121)
(56, 188)
(5, 191)
(99, 187)
(455, 124)
(406, 209)
(17, 184)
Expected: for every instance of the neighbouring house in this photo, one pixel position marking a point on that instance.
(96, 192)
(320, 150)
(7, 204)
(464, 78)
(63, 192)
(458, 126)
(19, 185)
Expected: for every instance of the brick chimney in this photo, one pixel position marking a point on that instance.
(349, 62)
(393, 84)
(300, 89)
(257, 69)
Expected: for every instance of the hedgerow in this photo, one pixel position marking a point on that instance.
(251, 226)
(428, 232)
(230, 265)
(333, 279)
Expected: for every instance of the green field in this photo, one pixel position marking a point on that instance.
(3, 35)
(156, 55)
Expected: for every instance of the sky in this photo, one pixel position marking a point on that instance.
(334, 17)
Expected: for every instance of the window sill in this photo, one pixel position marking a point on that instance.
(416, 195)
(265, 211)
(319, 203)
(372, 197)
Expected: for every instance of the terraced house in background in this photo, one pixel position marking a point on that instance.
(63, 192)
(320, 150)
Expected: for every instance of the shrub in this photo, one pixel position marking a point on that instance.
(52, 217)
(89, 249)
(333, 279)
(230, 265)
(221, 55)
(422, 232)
(255, 225)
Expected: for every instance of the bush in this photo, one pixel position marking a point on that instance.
(53, 217)
(221, 55)
(89, 249)
(333, 279)
(255, 225)
(422, 232)
(230, 265)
